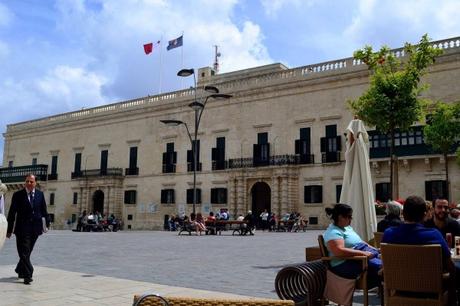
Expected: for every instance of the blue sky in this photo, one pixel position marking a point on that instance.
(62, 55)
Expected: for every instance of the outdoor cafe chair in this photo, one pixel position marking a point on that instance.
(377, 239)
(413, 275)
(341, 289)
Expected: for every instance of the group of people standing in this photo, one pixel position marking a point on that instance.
(423, 224)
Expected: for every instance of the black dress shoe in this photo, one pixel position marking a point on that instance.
(27, 281)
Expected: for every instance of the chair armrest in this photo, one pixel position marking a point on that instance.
(446, 275)
(357, 257)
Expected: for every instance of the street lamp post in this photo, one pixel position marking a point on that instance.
(198, 107)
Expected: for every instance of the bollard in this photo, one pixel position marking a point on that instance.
(303, 283)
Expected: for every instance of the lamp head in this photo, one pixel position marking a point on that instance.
(185, 72)
(211, 89)
(220, 96)
(172, 122)
(196, 105)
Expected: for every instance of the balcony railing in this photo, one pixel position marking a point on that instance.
(190, 167)
(18, 174)
(219, 164)
(132, 171)
(330, 157)
(276, 160)
(52, 177)
(169, 168)
(97, 172)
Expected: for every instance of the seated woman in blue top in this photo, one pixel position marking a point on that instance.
(342, 240)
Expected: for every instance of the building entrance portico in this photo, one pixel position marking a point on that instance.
(275, 189)
(98, 202)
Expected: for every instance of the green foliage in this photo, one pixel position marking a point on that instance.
(443, 132)
(392, 99)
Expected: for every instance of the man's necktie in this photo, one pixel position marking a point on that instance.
(31, 199)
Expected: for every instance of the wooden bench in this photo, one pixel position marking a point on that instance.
(216, 227)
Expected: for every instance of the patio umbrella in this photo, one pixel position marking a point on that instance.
(357, 188)
(3, 222)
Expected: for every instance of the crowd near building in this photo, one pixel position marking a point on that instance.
(277, 144)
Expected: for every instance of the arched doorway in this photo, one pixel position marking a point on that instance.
(261, 198)
(98, 201)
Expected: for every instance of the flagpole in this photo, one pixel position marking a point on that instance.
(182, 60)
(161, 65)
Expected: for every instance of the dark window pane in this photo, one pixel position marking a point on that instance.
(130, 196)
(262, 138)
(75, 198)
(52, 198)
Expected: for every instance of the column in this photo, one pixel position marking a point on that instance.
(284, 195)
(275, 196)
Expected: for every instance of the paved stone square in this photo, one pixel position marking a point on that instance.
(228, 264)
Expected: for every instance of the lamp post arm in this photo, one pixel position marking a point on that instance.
(188, 133)
(201, 112)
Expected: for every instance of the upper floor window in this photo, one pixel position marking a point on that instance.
(169, 159)
(302, 147)
(190, 157)
(218, 154)
(331, 145)
(104, 162)
(261, 150)
(132, 169)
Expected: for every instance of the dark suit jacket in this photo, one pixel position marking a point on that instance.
(28, 219)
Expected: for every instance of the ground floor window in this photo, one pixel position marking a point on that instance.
(167, 196)
(435, 190)
(313, 194)
(190, 196)
(130, 196)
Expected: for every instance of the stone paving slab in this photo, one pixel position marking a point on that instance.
(53, 287)
(139, 261)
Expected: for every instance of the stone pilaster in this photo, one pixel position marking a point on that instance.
(275, 196)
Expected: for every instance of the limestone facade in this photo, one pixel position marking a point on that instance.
(270, 101)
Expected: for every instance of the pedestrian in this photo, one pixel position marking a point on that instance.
(28, 208)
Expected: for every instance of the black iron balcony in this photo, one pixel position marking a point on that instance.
(219, 164)
(76, 174)
(169, 168)
(190, 167)
(305, 158)
(132, 171)
(330, 157)
(52, 177)
(277, 160)
(18, 174)
(97, 172)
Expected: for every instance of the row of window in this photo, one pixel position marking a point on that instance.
(218, 196)
(433, 190)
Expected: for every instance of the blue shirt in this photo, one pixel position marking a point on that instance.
(416, 233)
(347, 234)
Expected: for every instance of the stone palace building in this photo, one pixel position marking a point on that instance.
(277, 144)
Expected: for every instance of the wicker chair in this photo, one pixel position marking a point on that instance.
(377, 239)
(151, 299)
(312, 253)
(413, 275)
(361, 281)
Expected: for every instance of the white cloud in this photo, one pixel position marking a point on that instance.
(385, 21)
(5, 15)
(73, 86)
(272, 7)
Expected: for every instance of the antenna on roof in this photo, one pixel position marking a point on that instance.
(216, 58)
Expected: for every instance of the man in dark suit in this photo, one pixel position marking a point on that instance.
(28, 208)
